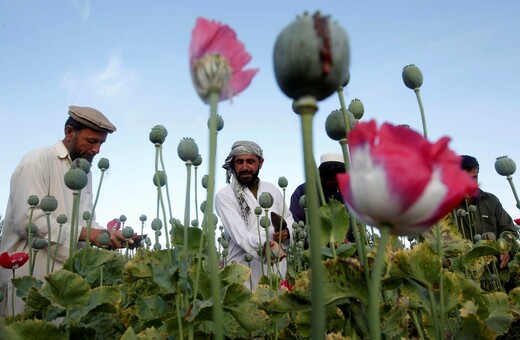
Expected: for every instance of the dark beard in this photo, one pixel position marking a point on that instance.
(248, 183)
(74, 152)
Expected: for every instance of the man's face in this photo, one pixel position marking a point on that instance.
(247, 169)
(474, 173)
(85, 143)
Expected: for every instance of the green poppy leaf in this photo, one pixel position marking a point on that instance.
(67, 289)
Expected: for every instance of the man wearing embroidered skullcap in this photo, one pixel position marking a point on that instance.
(489, 220)
(235, 205)
(41, 172)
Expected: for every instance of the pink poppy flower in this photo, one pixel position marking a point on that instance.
(13, 261)
(400, 179)
(115, 224)
(217, 59)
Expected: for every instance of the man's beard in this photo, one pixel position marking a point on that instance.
(74, 153)
(249, 182)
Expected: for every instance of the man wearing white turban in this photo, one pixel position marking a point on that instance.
(235, 206)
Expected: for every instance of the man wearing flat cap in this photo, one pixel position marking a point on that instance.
(235, 205)
(41, 172)
(489, 220)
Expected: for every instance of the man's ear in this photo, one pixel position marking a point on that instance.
(69, 132)
(261, 162)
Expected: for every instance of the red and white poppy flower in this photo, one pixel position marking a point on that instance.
(398, 178)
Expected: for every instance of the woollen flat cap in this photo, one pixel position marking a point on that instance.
(91, 118)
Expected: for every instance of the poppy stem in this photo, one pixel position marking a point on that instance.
(374, 303)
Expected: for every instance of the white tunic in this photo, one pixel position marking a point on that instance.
(39, 173)
(244, 239)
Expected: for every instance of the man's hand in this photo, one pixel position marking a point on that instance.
(284, 233)
(504, 260)
(116, 238)
(274, 246)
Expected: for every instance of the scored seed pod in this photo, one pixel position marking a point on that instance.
(265, 200)
(188, 150)
(76, 179)
(357, 108)
(311, 57)
(412, 77)
(103, 164)
(158, 134)
(505, 166)
(50, 203)
(82, 164)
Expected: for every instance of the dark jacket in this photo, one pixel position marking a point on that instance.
(489, 217)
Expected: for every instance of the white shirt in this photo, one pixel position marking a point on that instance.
(244, 238)
(40, 173)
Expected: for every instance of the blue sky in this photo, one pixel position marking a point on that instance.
(129, 59)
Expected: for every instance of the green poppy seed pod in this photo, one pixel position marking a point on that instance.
(176, 222)
(221, 227)
(248, 257)
(122, 218)
(103, 164)
(220, 123)
(357, 108)
(76, 179)
(194, 223)
(489, 236)
(188, 150)
(62, 219)
(212, 221)
(33, 200)
(203, 206)
(156, 224)
(197, 161)
(303, 201)
(335, 125)
(295, 225)
(301, 224)
(265, 222)
(299, 244)
(161, 176)
(142, 218)
(158, 233)
(303, 234)
(225, 253)
(82, 164)
(158, 134)
(32, 228)
(205, 181)
(148, 241)
(157, 246)
(472, 208)
(412, 77)
(283, 182)
(86, 215)
(461, 212)
(265, 200)
(476, 238)
(224, 243)
(505, 166)
(50, 203)
(127, 232)
(311, 57)
(258, 211)
(104, 238)
(39, 243)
